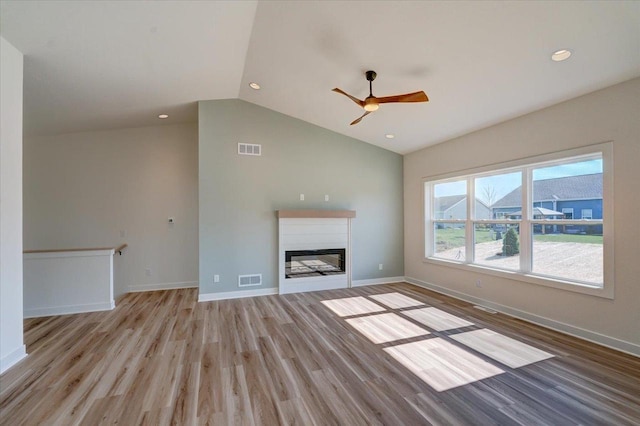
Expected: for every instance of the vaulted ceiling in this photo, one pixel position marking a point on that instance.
(113, 64)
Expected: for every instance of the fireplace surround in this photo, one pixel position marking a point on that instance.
(314, 250)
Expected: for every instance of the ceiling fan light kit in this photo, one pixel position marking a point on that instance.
(372, 103)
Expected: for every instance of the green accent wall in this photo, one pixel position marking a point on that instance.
(239, 195)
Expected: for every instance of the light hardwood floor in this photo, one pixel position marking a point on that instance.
(163, 358)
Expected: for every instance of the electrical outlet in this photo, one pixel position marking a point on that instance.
(216, 278)
(147, 272)
(301, 197)
(380, 267)
(479, 283)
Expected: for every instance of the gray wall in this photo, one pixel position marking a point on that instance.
(105, 188)
(240, 194)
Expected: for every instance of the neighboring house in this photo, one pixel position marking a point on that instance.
(455, 207)
(576, 197)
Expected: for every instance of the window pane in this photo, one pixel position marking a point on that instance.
(571, 252)
(498, 196)
(568, 191)
(497, 246)
(450, 200)
(449, 241)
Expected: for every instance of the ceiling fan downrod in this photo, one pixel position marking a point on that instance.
(371, 75)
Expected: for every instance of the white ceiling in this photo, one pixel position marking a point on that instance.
(112, 64)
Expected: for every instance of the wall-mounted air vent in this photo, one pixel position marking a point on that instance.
(249, 149)
(249, 280)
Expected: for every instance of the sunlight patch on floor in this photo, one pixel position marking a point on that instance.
(386, 328)
(396, 300)
(352, 306)
(436, 319)
(441, 364)
(501, 348)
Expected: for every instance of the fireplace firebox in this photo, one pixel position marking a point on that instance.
(314, 263)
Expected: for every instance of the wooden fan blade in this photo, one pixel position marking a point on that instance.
(409, 97)
(356, 100)
(357, 120)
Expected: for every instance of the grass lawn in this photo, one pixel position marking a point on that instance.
(449, 238)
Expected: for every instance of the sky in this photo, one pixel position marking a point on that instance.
(502, 184)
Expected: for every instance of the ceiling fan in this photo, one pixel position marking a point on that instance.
(371, 103)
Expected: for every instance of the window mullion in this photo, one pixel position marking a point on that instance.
(469, 224)
(525, 223)
(428, 220)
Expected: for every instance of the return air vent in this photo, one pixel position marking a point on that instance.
(249, 280)
(249, 149)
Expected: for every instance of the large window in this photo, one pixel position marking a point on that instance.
(544, 220)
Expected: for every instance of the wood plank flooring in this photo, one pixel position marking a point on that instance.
(163, 358)
(385, 328)
(436, 319)
(501, 348)
(396, 300)
(441, 364)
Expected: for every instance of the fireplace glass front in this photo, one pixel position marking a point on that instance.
(314, 263)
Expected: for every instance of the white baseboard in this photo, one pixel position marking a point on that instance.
(375, 281)
(601, 339)
(208, 297)
(69, 309)
(13, 358)
(137, 288)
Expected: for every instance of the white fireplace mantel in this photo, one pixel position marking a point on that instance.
(314, 230)
(317, 214)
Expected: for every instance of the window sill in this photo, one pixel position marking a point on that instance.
(606, 292)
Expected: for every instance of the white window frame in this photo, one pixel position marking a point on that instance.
(566, 210)
(527, 165)
(585, 215)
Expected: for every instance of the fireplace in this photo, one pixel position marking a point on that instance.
(314, 250)
(314, 263)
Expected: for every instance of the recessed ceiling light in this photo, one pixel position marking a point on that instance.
(163, 116)
(254, 85)
(389, 136)
(560, 55)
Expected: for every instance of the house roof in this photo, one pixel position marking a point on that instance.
(539, 211)
(583, 187)
(449, 201)
(82, 75)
